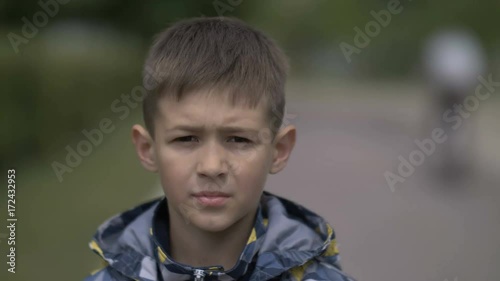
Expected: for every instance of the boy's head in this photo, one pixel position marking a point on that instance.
(213, 119)
(223, 56)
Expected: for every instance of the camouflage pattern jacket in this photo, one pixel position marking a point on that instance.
(287, 242)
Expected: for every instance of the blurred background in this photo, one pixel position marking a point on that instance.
(368, 83)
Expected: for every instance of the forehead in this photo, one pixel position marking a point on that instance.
(200, 109)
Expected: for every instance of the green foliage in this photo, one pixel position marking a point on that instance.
(54, 92)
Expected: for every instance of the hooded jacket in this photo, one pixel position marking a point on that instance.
(287, 242)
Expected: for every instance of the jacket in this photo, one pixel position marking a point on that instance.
(287, 242)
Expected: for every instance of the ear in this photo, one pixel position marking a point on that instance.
(283, 146)
(144, 146)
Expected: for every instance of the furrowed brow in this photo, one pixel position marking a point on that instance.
(225, 129)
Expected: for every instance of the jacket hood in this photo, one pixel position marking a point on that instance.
(285, 236)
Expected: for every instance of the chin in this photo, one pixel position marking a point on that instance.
(212, 223)
(214, 228)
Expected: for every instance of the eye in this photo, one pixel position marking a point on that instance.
(186, 139)
(239, 140)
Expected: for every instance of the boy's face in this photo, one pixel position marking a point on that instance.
(212, 158)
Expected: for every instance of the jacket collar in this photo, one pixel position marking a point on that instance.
(159, 234)
(285, 235)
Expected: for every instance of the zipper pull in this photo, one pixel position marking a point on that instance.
(199, 275)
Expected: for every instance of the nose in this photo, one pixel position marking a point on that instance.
(212, 162)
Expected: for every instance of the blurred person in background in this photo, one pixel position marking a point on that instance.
(453, 60)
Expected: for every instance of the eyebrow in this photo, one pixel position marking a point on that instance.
(227, 129)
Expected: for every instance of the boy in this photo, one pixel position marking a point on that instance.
(212, 133)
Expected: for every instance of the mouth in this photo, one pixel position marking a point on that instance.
(211, 198)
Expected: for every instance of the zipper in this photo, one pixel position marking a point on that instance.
(199, 275)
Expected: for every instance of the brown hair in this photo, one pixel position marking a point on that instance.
(221, 54)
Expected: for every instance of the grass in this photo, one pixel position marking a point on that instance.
(57, 220)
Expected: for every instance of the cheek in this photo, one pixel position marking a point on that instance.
(255, 155)
(171, 161)
(173, 170)
(251, 172)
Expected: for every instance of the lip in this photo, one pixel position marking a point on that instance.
(211, 194)
(211, 198)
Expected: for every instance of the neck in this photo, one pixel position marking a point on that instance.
(198, 248)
